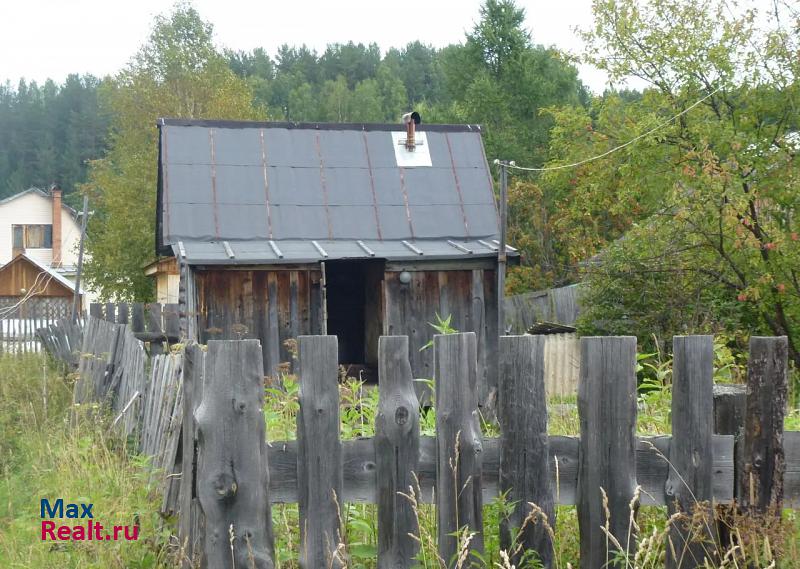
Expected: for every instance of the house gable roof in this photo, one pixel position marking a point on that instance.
(283, 191)
(40, 192)
(48, 280)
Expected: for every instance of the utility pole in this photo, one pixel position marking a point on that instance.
(501, 251)
(77, 296)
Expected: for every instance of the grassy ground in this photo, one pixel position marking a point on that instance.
(50, 448)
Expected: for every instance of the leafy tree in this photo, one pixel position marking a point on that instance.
(177, 73)
(500, 79)
(707, 201)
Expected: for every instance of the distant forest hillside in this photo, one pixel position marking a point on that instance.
(49, 132)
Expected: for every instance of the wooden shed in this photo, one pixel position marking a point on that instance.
(354, 230)
(32, 290)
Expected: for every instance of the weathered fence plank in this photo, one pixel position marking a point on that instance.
(191, 522)
(360, 482)
(458, 457)
(396, 454)
(761, 484)
(232, 469)
(729, 407)
(607, 408)
(137, 318)
(524, 452)
(689, 489)
(319, 461)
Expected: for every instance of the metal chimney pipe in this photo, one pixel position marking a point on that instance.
(411, 119)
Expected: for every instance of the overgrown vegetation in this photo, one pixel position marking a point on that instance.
(50, 448)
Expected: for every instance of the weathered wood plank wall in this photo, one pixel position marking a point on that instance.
(468, 296)
(273, 306)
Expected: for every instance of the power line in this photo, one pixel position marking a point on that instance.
(616, 148)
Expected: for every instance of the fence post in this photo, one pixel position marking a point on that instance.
(607, 457)
(459, 474)
(689, 488)
(232, 469)
(319, 454)
(524, 451)
(396, 454)
(96, 310)
(190, 522)
(729, 405)
(761, 483)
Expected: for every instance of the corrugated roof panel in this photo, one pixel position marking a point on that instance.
(240, 185)
(304, 251)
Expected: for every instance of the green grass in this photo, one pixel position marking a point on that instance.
(52, 449)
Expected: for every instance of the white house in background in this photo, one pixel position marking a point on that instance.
(39, 225)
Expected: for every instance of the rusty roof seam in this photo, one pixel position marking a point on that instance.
(372, 186)
(458, 185)
(266, 182)
(214, 180)
(324, 187)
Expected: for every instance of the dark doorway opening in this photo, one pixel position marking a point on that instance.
(355, 312)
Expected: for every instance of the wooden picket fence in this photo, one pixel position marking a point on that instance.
(231, 474)
(19, 322)
(152, 322)
(141, 387)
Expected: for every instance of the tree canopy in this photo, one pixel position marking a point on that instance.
(177, 73)
(693, 227)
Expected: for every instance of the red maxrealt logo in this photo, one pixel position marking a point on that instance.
(91, 530)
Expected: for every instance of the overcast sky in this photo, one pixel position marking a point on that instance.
(52, 38)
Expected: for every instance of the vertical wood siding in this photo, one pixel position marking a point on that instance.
(468, 296)
(272, 306)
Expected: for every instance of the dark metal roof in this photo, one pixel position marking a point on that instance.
(265, 251)
(336, 184)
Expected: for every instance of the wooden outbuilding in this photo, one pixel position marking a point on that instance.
(32, 290)
(353, 230)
